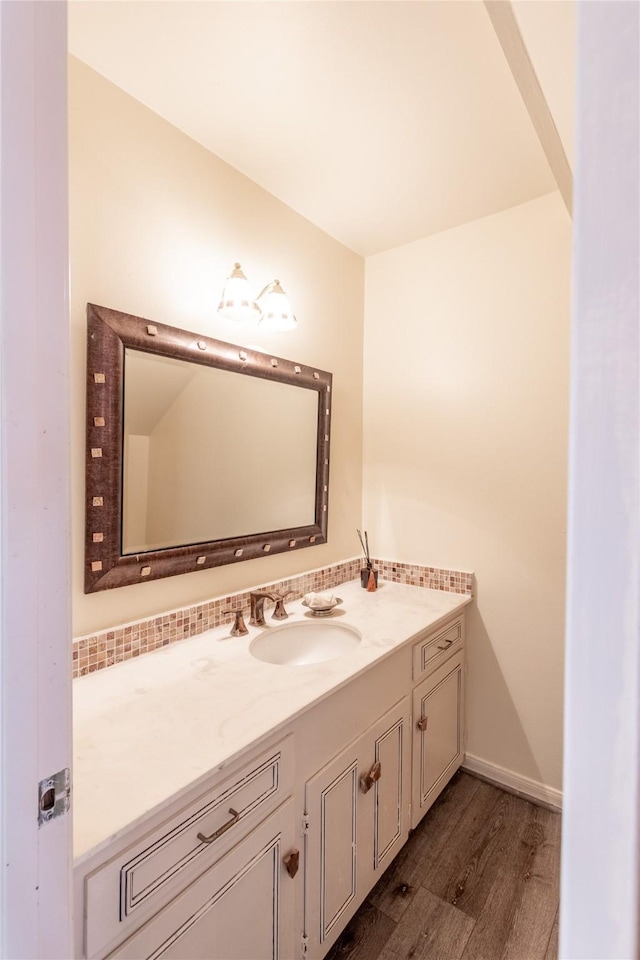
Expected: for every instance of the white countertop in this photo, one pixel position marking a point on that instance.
(150, 728)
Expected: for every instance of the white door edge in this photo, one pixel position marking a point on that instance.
(35, 609)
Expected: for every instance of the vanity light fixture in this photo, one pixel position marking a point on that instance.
(271, 309)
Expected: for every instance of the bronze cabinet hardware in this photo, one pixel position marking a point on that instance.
(292, 862)
(367, 780)
(235, 816)
(447, 643)
(280, 613)
(422, 723)
(239, 628)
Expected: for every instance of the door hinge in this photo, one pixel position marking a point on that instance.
(304, 945)
(305, 823)
(54, 796)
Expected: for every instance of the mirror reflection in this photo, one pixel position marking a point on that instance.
(210, 455)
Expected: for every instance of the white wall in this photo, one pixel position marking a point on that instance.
(465, 400)
(156, 222)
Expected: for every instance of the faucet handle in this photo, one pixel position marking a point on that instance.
(280, 613)
(239, 627)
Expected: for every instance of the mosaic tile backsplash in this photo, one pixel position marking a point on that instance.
(432, 577)
(100, 650)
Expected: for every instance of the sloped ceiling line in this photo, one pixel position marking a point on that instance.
(508, 33)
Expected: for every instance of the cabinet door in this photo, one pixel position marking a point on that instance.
(438, 747)
(331, 858)
(242, 907)
(355, 825)
(385, 822)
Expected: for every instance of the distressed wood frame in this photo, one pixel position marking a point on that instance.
(108, 333)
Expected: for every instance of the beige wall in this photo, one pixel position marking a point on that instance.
(135, 491)
(156, 222)
(465, 454)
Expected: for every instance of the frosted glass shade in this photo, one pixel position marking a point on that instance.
(275, 308)
(237, 301)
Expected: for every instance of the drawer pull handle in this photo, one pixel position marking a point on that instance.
(447, 643)
(422, 723)
(235, 816)
(367, 780)
(292, 862)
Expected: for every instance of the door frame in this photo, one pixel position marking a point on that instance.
(600, 837)
(35, 593)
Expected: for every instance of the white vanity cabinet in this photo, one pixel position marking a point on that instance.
(357, 819)
(270, 856)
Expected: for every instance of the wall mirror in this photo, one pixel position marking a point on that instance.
(199, 452)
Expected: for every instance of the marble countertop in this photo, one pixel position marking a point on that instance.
(150, 728)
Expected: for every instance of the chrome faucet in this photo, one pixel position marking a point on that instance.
(257, 600)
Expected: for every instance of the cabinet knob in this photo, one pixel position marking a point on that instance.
(422, 723)
(367, 780)
(292, 862)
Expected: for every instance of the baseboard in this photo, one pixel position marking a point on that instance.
(513, 782)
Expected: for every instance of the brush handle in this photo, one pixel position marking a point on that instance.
(364, 549)
(365, 545)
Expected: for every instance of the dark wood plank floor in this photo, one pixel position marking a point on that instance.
(477, 880)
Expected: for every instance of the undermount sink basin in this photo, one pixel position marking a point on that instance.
(300, 644)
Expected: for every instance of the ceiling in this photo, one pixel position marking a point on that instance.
(381, 122)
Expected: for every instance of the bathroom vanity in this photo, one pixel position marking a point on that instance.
(229, 808)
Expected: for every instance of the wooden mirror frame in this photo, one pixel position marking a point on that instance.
(109, 332)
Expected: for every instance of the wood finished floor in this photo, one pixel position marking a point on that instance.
(477, 880)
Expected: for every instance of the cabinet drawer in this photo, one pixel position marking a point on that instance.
(240, 908)
(437, 647)
(126, 891)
